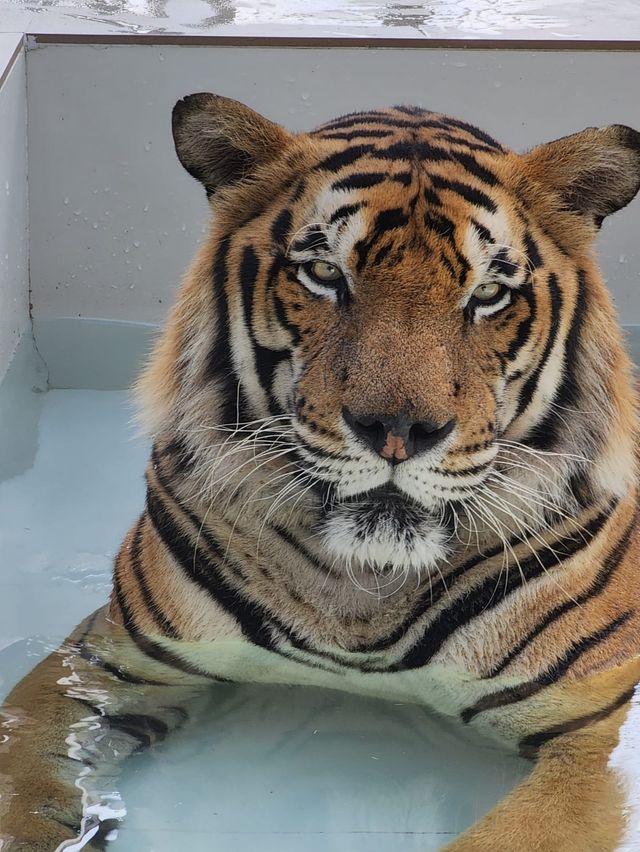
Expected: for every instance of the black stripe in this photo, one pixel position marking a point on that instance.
(595, 588)
(546, 433)
(351, 118)
(448, 265)
(441, 225)
(413, 151)
(401, 177)
(530, 386)
(362, 132)
(252, 618)
(524, 326)
(385, 119)
(485, 233)
(313, 238)
(387, 220)
(162, 622)
(343, 158)
(471, 146)
(281, 228)
(430, 597)
(474, 131)
(469, 193)
(532, 252)
(381, 119)
(464, 265)
(116, 671)
(432, 197)
(220, 364)
(473, 166)
(345, 211)
(483, 597)
(530, 745)
(141, 727)
(266, 360)
(206, 574)
(300, 548)
(360, 180)
(502, 264)
(382, 254)
(99, 841)
(148, 646)
(515, 694)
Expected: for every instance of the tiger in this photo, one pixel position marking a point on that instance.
(394, 453)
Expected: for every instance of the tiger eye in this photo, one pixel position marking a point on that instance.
(325, 271)
(486, 292)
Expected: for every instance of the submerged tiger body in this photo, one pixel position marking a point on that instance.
(394, 453)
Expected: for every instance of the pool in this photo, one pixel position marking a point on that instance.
(274, 768)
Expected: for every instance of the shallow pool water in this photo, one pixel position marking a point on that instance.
(271, 768)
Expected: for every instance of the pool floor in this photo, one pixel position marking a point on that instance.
(271, 768)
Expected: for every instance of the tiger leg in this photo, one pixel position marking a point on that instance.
(572, 801)
(66, 728)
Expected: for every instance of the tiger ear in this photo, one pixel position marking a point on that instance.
(220, 141)
(595, 172)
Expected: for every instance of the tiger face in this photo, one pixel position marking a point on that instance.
(416, 307)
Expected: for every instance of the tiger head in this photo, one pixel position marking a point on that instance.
(407, 320)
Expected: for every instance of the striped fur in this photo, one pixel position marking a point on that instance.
(491, 577)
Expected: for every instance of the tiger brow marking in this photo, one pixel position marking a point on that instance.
(515, 694)
(345, 211)
(502, 264)
(387, 220)
(485, 233)
(314, 238)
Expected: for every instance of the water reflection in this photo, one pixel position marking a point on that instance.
(481, 17)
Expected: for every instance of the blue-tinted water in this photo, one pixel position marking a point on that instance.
(271, 768)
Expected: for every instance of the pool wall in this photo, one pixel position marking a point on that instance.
(14, 281)
(112, 219)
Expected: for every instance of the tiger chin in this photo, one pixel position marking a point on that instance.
(394, 357)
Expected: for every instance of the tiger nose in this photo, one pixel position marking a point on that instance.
(397, 438)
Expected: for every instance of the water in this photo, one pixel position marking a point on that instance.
(275, 768)
(568, 19)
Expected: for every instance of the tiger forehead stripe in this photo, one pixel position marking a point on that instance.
(412, 118)
(412, 150)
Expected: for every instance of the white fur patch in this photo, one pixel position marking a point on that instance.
(420, 548)
(625, 760)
